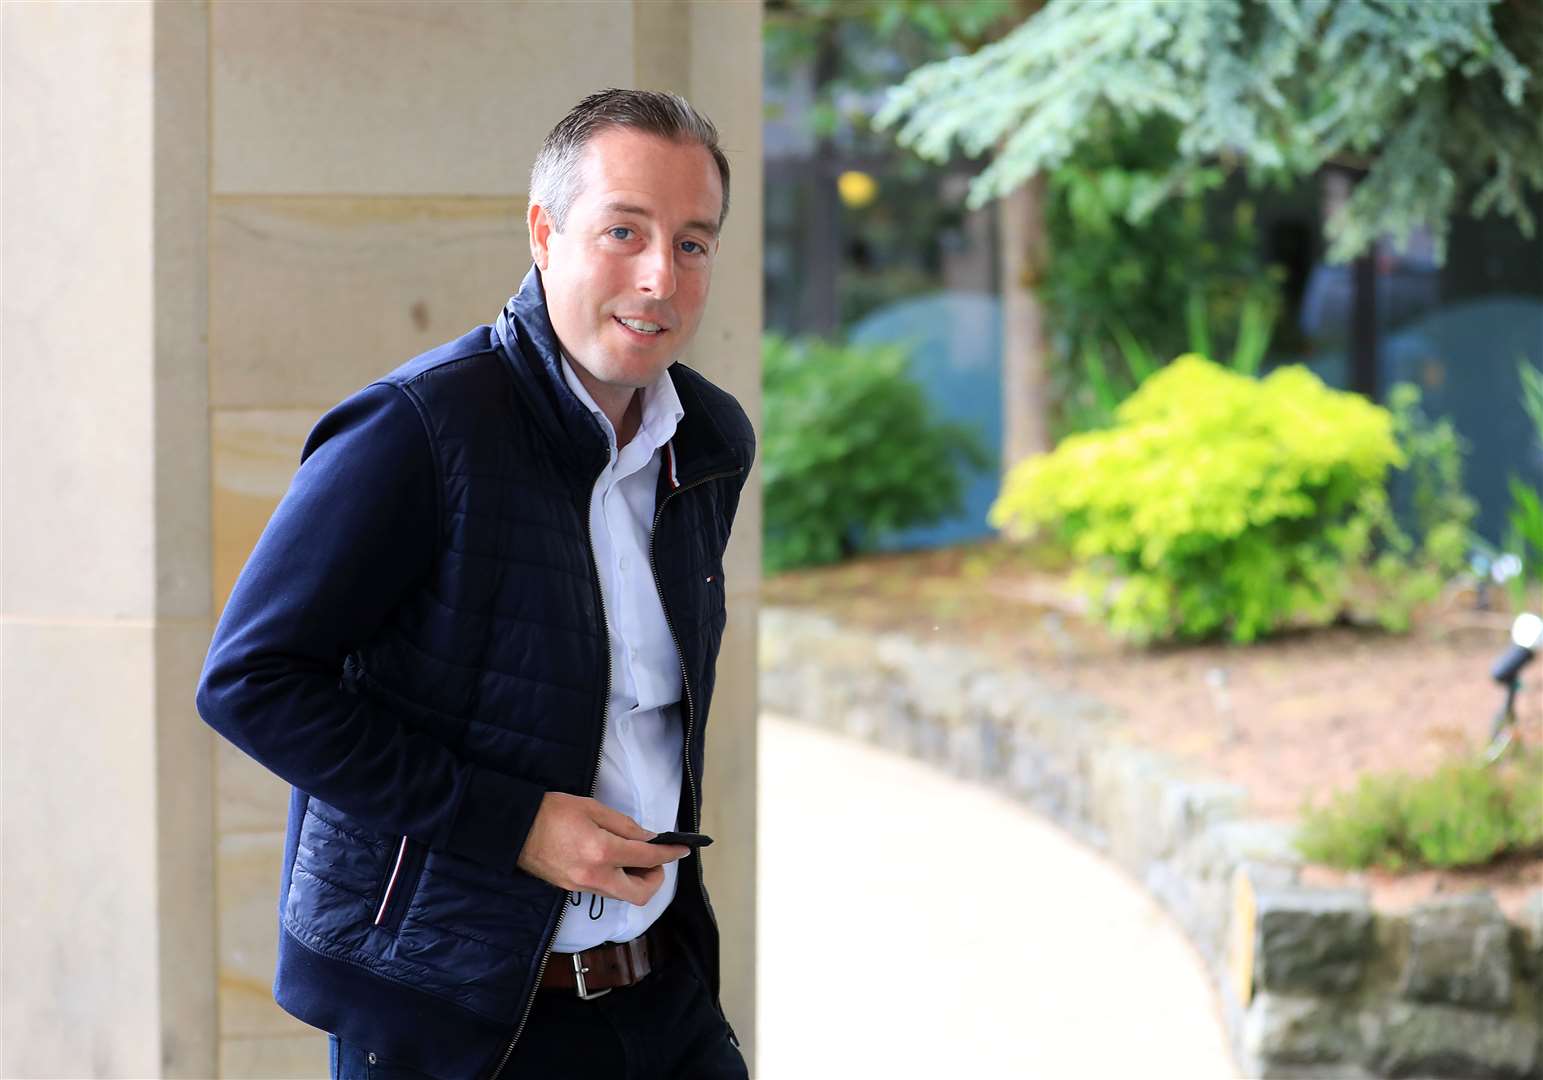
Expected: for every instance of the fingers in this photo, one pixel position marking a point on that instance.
(630, 846)
(614, 821)
(635, 878)
(634, 886)
(639, 853)
(637, 886)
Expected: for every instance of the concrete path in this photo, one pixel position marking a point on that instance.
(1030, 955)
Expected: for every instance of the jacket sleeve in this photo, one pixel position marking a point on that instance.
(748, 448)
(358, 529)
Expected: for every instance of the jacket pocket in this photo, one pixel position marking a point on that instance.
(399, 883)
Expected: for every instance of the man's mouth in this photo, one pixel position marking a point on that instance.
(640, 326)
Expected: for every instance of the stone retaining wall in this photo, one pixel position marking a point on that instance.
(1314, 982)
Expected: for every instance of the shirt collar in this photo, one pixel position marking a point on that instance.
(662, 410)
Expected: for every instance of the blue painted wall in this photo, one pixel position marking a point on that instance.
(1464, 358)
(955, 341)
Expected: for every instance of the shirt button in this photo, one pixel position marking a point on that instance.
(624, 563)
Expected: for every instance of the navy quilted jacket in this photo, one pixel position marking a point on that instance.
(417, 645)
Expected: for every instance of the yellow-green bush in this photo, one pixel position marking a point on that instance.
(1222, 505)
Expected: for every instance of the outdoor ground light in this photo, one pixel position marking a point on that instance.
(1526, 637)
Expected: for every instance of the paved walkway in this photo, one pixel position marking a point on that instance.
(1031, 956)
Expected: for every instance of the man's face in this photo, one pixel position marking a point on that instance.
(638, 248)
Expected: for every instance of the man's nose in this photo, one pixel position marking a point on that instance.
(656, 272)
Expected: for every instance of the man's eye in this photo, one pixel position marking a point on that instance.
(620, 232)
(692, 247)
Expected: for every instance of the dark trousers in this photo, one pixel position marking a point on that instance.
(663, 1028)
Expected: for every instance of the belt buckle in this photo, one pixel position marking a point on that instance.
(578, 977)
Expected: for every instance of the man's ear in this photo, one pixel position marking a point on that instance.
(540, 226)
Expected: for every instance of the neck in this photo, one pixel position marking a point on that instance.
(622, 405)
(631, 419)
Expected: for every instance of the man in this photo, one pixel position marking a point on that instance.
(478, 639)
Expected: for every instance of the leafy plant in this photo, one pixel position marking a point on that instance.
(1190, 279)
(1443, 512)
(1223, 505)
(1532, 395)
(1524, 522)
(851, 450)
(1464, 814)
(1359, 828)
(1526, 528)
(1107, 387)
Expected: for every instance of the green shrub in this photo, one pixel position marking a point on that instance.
(1524, 521)
(1524, 536)
(1442, 510)
(851, 451)
(1223, 505)
(1359, 828)
(1464, 814)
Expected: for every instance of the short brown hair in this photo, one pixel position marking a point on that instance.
(554, 178)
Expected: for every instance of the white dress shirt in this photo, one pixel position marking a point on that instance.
(641, 755)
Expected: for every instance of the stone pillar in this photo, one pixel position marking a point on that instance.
(108, 928)
(723, 79)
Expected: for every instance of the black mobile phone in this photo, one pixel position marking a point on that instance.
(690, 839)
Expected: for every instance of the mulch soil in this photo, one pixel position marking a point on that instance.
(1292, 719)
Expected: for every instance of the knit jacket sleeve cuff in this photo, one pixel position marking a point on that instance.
(496, 815)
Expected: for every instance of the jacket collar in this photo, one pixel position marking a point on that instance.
(660, 414)
(530, 347)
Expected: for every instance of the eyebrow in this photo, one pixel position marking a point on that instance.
(628, 208)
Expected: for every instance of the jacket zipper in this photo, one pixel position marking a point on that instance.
(546, 956)
(594, 782)
(685, 682)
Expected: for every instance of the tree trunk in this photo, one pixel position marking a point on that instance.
(1363, 325)
(1025, 348)
(1362, 374)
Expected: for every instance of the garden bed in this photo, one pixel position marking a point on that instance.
(1289, 719)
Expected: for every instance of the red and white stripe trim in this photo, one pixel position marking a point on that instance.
(669, 455)
(385, 899)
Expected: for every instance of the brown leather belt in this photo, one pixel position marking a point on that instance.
(603, 968)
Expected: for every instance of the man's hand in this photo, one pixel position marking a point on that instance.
(582, 845)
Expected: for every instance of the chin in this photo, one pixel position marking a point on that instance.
(635, 375)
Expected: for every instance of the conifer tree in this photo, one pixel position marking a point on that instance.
(1436, 101)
